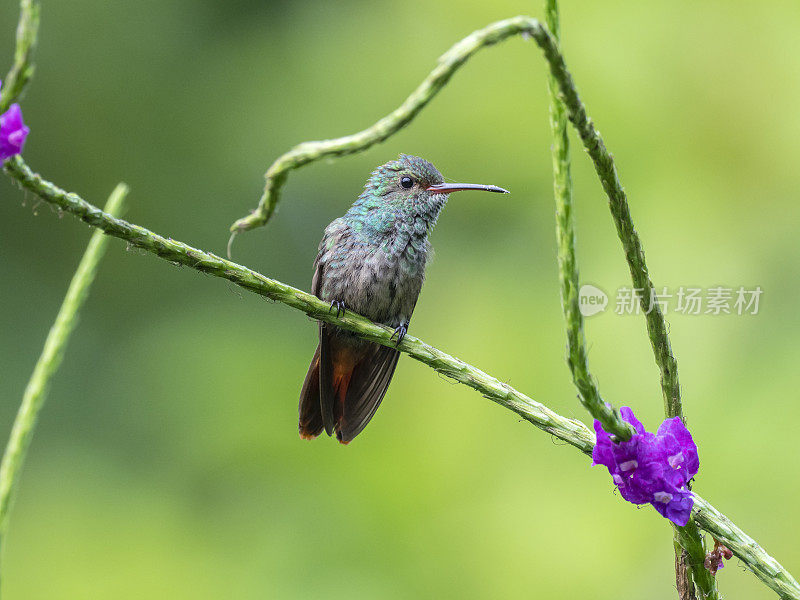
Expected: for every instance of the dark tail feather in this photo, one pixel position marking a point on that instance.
(366, 388)
(310, 410)
(328, 401)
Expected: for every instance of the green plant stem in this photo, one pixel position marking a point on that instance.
(567, 94)
(690, 567)
(22, 69)
(49, 361)
(766, 568)
(577, 358)
(571, 431)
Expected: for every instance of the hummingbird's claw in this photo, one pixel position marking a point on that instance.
(400, 332)
(339, 306)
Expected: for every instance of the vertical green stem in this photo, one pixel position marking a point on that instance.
(49, 361)
(690, 555)
(567, 262)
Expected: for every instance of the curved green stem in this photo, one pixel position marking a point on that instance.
(309, 152)
(49, 361)
(571, 431)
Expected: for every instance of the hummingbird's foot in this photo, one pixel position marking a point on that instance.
(400, 332)
(339, 306)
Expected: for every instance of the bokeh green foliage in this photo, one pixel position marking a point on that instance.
(167, 461)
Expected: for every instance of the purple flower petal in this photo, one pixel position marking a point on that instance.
(679, 509)
(627, 415)
(12, 132)
(674, 433)
(632, 492)
(601, 454)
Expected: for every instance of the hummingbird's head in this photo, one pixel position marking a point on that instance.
(412, 184)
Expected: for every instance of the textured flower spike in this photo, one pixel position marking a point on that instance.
(651, 468)
(12, 131)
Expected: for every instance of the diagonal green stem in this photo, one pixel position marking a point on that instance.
(571, 431)
(766, 568)
(49, 361)
(22, 69)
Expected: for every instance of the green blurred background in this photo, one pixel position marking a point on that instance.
(167, 461)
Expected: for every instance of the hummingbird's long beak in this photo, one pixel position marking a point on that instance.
(446, 188)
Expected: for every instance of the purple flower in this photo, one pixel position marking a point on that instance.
(12, 132)
(651, 468)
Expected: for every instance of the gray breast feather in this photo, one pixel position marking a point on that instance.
(380, 280)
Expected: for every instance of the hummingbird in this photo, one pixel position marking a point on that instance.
(371, 261)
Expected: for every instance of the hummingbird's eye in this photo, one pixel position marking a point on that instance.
(407, 182)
